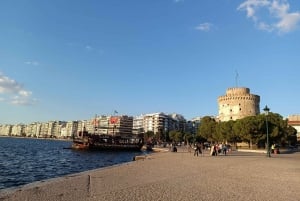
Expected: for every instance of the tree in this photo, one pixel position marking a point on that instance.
(207, 128)
(276, 126)
(175, 136)
(291, 135)
(188, 137)
(227, 131)
(251, 129)
(148, 136)
(279, 130)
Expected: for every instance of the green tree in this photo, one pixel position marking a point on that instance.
(207, 129)
(281, 132)
(249, 129)
(291, 135)
(188, 137)
(278, 129)
(227, 132)
(148, 136)
(175, 136)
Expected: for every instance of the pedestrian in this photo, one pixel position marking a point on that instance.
(224, 149)
(200, 148)
(215, 150)
(196, 149)
(272, 148)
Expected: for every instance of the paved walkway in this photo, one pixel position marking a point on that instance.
(177, 176)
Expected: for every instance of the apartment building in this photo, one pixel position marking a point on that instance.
(18, 130)
(193, 125)
(159, 123)
(108, 125)
(69, 129)
(156, 122)
(33, 129)
(177, 122)
(5, 130)
(137, 124)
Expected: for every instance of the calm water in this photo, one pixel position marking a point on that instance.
(24, 161)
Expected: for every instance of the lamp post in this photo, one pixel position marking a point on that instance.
(266, 109)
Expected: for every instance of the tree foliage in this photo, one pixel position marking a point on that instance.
(207, 128)
(175, 136)
(188, 137)
(148, 135)
(251, 129)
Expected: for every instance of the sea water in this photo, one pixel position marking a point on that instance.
(26, 160)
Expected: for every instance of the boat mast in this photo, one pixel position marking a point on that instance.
(114, 121)
(95, 124)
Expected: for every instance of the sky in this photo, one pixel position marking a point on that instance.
(74, 59)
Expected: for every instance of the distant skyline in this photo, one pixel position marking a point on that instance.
(69, 60)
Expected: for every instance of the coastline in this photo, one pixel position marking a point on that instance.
(176, 176)
(38, 138)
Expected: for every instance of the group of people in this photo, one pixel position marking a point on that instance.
(198, 147)
(215, 149)
(218, 149)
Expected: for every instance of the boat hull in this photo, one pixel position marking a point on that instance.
(115, 147)
(106, 142)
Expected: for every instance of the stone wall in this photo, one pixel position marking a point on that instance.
(238, 103)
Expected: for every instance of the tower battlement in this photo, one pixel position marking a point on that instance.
(238, 103)
(237, 91)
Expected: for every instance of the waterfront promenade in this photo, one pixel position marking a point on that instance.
(177, 176)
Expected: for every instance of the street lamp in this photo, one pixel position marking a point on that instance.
(266, 109)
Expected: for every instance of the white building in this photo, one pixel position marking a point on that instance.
(294, 120)
(238, 103)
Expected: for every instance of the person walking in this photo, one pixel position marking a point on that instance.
(214, 150)
(272, 148)
(224, 149)
(200, 148)
(196, 153)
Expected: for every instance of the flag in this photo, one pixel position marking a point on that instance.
(115, 112)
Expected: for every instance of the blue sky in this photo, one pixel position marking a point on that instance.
(70, 60)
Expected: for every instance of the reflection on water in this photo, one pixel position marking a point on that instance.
(25, 160)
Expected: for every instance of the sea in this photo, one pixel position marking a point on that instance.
(27, 160)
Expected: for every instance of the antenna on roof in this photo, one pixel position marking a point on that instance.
(236, 78)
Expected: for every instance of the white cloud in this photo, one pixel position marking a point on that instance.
(265, 27)
(33, 63)
(21, 100)
(14, 93)
(251, 6)
(177, 1)
(271, 15)
(89, 48)
(204, 27)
